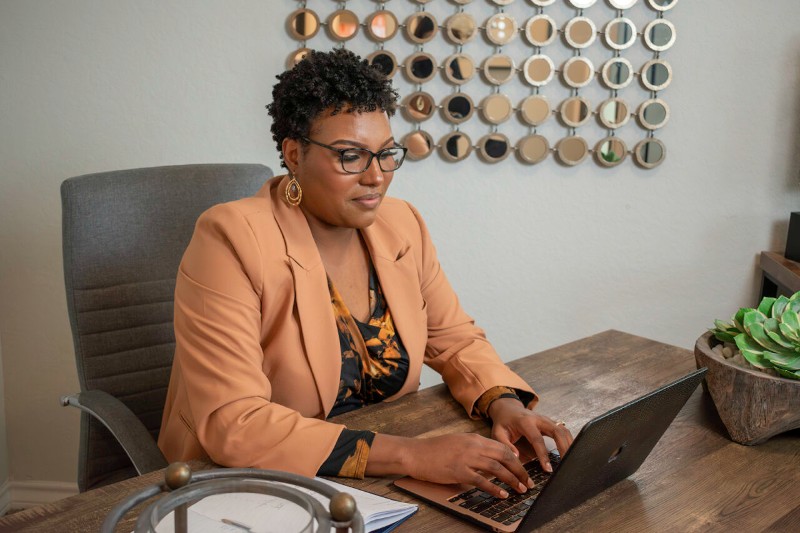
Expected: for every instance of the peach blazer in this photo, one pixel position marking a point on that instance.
(257, 359)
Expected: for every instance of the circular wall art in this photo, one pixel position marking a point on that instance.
(534, 110)
(650, 153)
(538, 70)
(455, 146)
(610, 151)
(620, 33)
(342, 25)
(617, 73)
(659, 35)
(578, 71)
(653, 113)
(420, 67)
(613, 113)
(656, 74)
(573, 60)
(381, 25)
(501, 28)
(572, 150)
(533, 149)
(460, 28)
(494, 147)
(575, 111)
(419, 106)
(662, 5)
(622, 4)
(303, 24)
(421, 27)
(457, 108)
(541, 30)
(580, 32)
(496, 108)
(419, 143)
(458, 69)
(499, 69)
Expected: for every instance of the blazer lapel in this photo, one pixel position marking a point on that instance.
(312, 298)
(399, 280)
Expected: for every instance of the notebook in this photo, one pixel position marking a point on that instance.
(608, 449)
(237, 512)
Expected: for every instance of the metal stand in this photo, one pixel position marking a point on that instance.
(182, 487)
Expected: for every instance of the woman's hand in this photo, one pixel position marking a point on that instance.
(511, 421)
(456, 458)
(461, 457)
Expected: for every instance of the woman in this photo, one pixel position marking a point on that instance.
(320, 295)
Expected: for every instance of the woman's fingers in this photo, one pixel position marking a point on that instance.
(503, 438)
(487, 486)
(540, 448)
(470, 459)
(508, 469)
(562, 437)
(518, 422)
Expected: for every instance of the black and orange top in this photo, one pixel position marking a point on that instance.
(374, 367)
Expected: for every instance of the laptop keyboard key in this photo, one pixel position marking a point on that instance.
(482, 506)
(472, 501)
(511, 509)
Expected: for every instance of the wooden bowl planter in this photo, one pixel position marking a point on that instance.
(754, 406)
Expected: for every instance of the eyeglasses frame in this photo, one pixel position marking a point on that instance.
(372, 155)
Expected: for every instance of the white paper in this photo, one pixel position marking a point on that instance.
(260, 513)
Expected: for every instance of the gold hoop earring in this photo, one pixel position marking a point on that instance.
(293, 192)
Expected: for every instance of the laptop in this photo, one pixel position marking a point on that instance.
(607, 450)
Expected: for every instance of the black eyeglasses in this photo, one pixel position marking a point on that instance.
(357, 160)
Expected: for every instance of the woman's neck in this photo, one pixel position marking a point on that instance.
(346, 260)
(337, 246)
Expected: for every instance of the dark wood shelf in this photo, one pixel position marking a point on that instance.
(778, 275)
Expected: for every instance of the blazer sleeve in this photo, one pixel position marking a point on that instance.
(218, 318)
(457, 348)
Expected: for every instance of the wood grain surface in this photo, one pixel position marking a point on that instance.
(696, 478)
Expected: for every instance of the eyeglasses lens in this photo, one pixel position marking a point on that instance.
(357, 160)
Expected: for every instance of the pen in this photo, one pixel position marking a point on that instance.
(234, 523)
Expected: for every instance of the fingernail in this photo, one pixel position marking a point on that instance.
(521, 488)
(503, 494)
(531, 484)
(548, 467)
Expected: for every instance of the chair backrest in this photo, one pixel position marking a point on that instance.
(124, 234)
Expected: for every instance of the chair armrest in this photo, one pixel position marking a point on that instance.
(123, 425)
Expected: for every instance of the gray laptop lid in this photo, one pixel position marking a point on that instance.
(610, 448)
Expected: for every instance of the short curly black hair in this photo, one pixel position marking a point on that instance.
(336, 80)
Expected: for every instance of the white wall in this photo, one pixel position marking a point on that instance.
(540, 255)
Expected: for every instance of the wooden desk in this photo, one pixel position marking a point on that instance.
(696, 479)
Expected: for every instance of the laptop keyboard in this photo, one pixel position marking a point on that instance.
(513, 508)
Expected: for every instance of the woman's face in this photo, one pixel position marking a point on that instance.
(331, 197)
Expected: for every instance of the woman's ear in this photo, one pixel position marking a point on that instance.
(291, 153)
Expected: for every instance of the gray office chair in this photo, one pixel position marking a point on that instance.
(124, 234)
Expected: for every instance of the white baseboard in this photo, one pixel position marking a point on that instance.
(5, 497)
(25, 494)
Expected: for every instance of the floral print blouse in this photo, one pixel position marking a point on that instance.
(374, 367)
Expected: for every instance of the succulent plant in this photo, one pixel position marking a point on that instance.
(768, 337)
